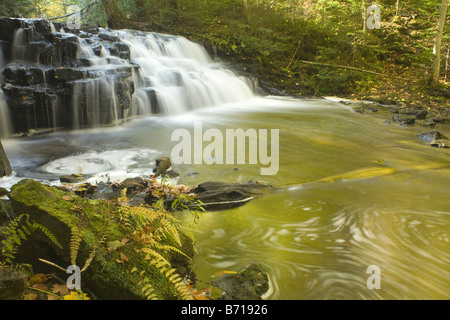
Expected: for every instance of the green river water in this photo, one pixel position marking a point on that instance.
(314, 239)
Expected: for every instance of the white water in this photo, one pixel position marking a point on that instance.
(171, 75)
(5, 122)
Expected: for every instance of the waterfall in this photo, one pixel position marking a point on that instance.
(5, 126)
(171, 75)
(109, 76)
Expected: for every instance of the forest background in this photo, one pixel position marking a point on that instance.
(298, 47)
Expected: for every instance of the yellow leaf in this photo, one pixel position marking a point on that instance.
(124, 257)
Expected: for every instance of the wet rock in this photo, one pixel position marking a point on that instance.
(134, 184)
(428, 123)
(108, 191)
(404, 119)
(108, 37)
(221, 196)
(428, 137)
(163, 164)
(5, 166)
(12, 284)
(72, 178)
(140, 199)
(249, 284)
(85, 189)
(441, 143)
(435, 139)
(3, 192)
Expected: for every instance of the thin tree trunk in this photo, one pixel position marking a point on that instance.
(115, 17)
(364, 16)
(447, 65)
(435, 69)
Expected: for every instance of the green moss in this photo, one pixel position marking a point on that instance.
(109, 275)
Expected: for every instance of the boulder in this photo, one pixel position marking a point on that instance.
(71, 178)
(109, 274)
(404, 119)
(12, 284)
(430, 136)
(5, 166)
(221, 195)
(434, 138)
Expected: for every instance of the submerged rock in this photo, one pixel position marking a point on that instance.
(249, 284)
(404, 119)
(435, 139)
(221, 195)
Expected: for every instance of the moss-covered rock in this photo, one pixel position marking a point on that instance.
(116, 272)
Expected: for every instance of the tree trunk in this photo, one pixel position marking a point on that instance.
(435, 69)
(116, 18)
(5, 167)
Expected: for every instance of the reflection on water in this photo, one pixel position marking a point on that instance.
(315, 239)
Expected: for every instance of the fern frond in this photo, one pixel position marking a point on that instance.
(75, 241)
(17, 231)
(89, 259)
(47, 232)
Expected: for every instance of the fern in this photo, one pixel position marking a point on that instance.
(152, 227)
(18, 231)
(75, 241)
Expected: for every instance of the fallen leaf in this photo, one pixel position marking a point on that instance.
(37, 278)
(114, 245)
(40, 286)
(67, 198)
(61, 289)
(221, 273)
(52, 297)
(124, 257)
(30, 296)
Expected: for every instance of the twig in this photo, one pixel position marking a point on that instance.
(52, 264)
(293, 56)
(79, 11)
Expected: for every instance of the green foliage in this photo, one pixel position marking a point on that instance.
(19, 230)
(160, 234)
(17, 8)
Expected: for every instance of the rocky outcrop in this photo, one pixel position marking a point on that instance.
(44, 69)
(5, 166)
(109, 274)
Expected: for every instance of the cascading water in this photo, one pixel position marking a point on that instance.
(5, 122)
(170, 75)
(56, 78)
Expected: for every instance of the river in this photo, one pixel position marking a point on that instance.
(386, 203)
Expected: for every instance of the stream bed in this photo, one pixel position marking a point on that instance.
(386, 204)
